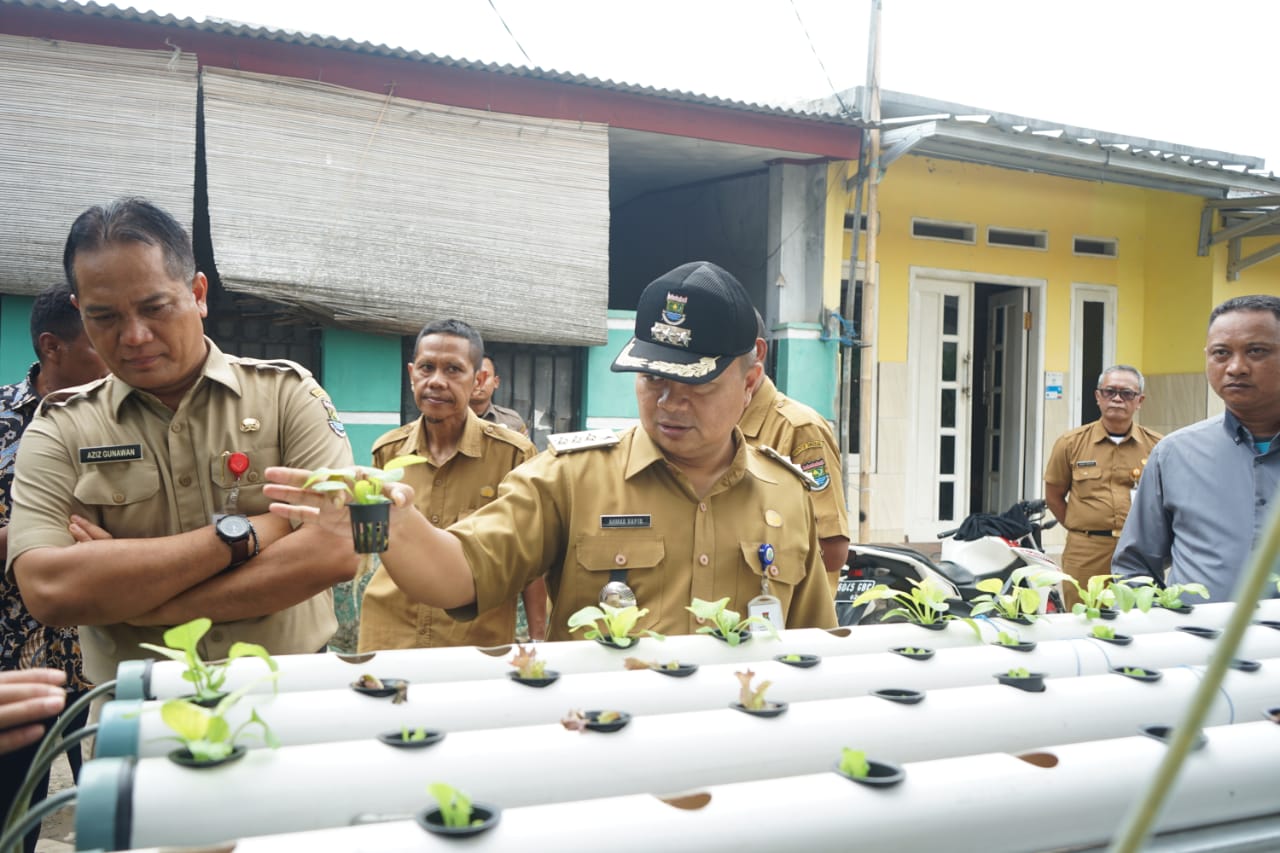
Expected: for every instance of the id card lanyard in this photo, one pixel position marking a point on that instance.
(766, 605)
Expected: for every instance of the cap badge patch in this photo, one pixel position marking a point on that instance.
(673, 313)
(664, 334)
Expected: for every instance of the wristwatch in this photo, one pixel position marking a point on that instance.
(237, 531)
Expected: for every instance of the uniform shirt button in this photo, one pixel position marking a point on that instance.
(702, 507)
(118, 498)
(435, 519)
(253, 476)
(620, 559)
(175, 427)
(773, 571)
(215, 635)
(438, 483)
(700, 620)
(704, 559)
(185, 480)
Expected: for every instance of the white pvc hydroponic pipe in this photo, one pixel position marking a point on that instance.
(334, 784)
(322, 716)
(994, 802)
(159, 680)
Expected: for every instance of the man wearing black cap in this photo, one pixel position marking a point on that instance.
(678, 509)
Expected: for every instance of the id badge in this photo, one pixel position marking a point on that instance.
(766, 607)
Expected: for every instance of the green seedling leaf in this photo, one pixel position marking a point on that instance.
(1019, 672)
(854, 764)
(1104, 632)
(455, 806)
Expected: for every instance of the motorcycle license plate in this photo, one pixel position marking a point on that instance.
(848, 590)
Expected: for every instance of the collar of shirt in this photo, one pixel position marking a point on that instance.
(21, 396)
(1239, 433)
(645, 453)
(216, 368)
(1099, 433)
(762, 401)
(470, 444)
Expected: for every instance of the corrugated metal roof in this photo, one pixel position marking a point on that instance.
(240, 30)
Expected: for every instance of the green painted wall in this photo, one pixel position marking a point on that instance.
(806, 370)
(15, 338)
(363, 374)
(606, 394)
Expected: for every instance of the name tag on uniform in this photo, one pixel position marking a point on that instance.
(1088, 463)
(110, 453)
(611, 521)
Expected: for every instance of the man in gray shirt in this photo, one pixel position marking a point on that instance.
(1207, 489)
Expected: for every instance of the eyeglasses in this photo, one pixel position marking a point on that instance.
(1126, 394)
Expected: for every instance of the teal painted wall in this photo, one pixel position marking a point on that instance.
(363, 374)
(16, 354)
(606, 394)
(807, 370)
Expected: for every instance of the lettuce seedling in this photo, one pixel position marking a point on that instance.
(1020, 602)
(1019, 672)
(616, 624)
(727, 623)
(1004, 638)
(206, 734)
(526, 663)
(207, 679)
(1098, 593)
(854, 764)
(1104, 632)
(1171, 596)
(455, 806)
(1134, 670)
(751, 698)
(361, 482)
(924, 604)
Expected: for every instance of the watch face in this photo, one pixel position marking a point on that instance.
(233, 527)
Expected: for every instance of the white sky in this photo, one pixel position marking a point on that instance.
(1187, 71)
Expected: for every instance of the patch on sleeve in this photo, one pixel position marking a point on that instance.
(817, 469)
(331, 413)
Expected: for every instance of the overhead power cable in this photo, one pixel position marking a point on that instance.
(508, 29)
(844, 109)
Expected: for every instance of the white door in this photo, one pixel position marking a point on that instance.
(939, 361)
(1005, 400)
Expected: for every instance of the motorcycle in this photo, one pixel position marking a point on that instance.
(983, 546)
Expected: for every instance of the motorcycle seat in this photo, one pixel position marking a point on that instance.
(957, 574)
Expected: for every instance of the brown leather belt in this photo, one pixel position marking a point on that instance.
(1110, 534)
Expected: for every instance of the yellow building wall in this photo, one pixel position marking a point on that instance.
(1164, 291)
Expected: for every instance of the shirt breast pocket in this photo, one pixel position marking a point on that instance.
(789, 563)
(249, 501)
(611, 553)
(1082, 474)
(122, 494)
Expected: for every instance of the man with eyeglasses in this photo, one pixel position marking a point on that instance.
(1093, 472)
(1208, 490)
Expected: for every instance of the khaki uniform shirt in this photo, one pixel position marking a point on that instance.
(795, 430)
(509, 418)
(1098, 473)
(123, 460)
(465, 482)
(579, 516)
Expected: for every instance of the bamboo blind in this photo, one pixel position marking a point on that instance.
(382, 213)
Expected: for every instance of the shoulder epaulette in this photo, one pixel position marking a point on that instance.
(809, 483)
(391, 437)
(502, 432)
(64, 396)
(571, 442)
(283, 365)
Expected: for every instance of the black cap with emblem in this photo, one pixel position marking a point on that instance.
(690, 325)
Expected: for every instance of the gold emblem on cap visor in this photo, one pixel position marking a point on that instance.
(250, 425)
(697, 370)
(772, 518)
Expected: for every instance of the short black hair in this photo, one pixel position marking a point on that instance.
(458, 329)
(130, 220)
(53, 312)
(1255, 302)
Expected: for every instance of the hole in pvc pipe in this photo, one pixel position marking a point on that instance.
(839, 632)
(495, 651)
(364, 658)
(690, 802)
(1039, 759)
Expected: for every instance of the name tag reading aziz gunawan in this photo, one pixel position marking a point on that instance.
(110, 453)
